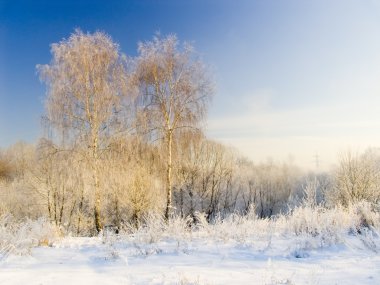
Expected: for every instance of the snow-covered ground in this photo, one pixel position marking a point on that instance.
(197, 260)
(311, 245)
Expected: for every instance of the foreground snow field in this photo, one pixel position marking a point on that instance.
(113, 260)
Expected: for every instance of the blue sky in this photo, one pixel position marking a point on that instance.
(294, 78)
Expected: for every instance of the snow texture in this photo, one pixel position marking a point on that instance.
(199, 261)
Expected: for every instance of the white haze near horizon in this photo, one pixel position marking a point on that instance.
(310, 136)
(307, 84)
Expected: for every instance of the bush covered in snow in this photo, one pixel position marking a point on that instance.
(20, 237)
(307, 227)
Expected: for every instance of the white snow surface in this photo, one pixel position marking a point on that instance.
(196, 260)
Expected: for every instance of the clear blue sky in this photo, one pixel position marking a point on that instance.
(293, 77)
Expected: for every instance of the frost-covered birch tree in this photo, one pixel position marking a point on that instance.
(174, 91)
(86, 79)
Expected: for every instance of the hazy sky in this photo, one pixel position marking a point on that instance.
(294, 78)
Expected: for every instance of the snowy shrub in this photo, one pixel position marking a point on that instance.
(365, 215)
(109, 239)
(356, 179)
(239, 228)
(184, 280)
(179, 228)
(151, 231)
(276, 281)
(179, 279)
(20, 237)
(308, 227)
(370, 239)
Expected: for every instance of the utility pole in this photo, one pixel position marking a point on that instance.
(316, 160)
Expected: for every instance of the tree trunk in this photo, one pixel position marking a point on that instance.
(80, 208)
(191, 188)
(181, 202)
(168, 210)
(95, 156)
(98, 223)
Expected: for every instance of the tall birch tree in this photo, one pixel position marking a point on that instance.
(174, 91)
(85, 79)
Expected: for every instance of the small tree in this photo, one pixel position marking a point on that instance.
(85, 81)
(175, 90)
(356, 178)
